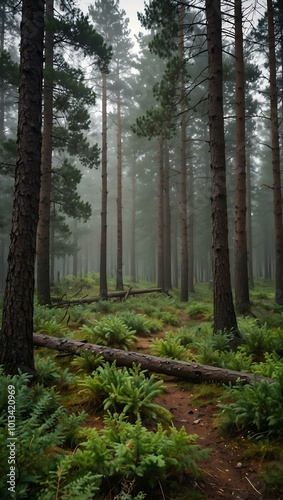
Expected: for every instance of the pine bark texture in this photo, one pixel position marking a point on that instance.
(43, 236)
(183, 172)
(160, 230)
(186, 370)
(119, 280)
(103, 238)
(277, 193)
(167, 221)
(133, 223)
(249, 226)
(191, 218)
(16, 340)
(224, 313)
(242, 299)
(2, 93)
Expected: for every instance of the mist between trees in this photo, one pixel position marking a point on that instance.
(139, 167)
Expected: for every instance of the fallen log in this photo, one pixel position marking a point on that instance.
(120, 295)
(187, 370)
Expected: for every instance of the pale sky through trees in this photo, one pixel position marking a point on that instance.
(130, 6)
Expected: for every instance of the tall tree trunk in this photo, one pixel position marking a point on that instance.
(175, 247)
(103, 238)
(119, 278)
(75, 241)
(133, 223)
(224, 313)
(249, 225)
(167, 221)
(2, 263)
(183, 171)
(277, 194)
(16, 339)
(160, 244)
(52, 245)
(242, 299)
(2, 93)
(43, 236)
(191, 217)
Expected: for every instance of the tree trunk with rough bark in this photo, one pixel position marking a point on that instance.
(43, 233)
(167, 221)
(249, 225)
(183, 172)
(277, 193)
(242, 299)
(2, 93)
(119, 277)
(103, 235)
(160, 244)
(133, 223)
(186, 370)
(191, 219)
(16, 339)
(224, 313)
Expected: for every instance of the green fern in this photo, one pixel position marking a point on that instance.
(272, 366)
(38, 431)
(168, 318)
(87, 362)
(137, 322)
(169, 348)
(256, 408)
(50, 373)
(110, 331)
(127, 390)
(122, 451)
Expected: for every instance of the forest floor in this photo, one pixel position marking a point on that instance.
(227, 474)
(232, 470)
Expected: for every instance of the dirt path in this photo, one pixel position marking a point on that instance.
(227, 475)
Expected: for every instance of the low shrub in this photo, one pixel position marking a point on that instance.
(128, 454)
(256, 408)
(126, 390)
(110, 331)
(169, 348)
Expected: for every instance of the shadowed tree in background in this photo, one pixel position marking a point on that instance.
(75, 30)
(103, 289)
(183, 167)
(277, 193)
(43, 233)
(224, 313)
(242, 300)
(16, 339)
(111, 22)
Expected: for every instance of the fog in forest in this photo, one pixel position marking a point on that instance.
(147, 90)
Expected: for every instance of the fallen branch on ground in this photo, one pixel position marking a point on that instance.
(187, 370)
(114, 295)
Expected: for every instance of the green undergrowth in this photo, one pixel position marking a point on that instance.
(59, 456)
(250, 413)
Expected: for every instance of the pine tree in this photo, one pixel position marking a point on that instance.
(112, 23)
(74, 28)
(16, 339)
(277, 193)
(242, 301)
(224, 314)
